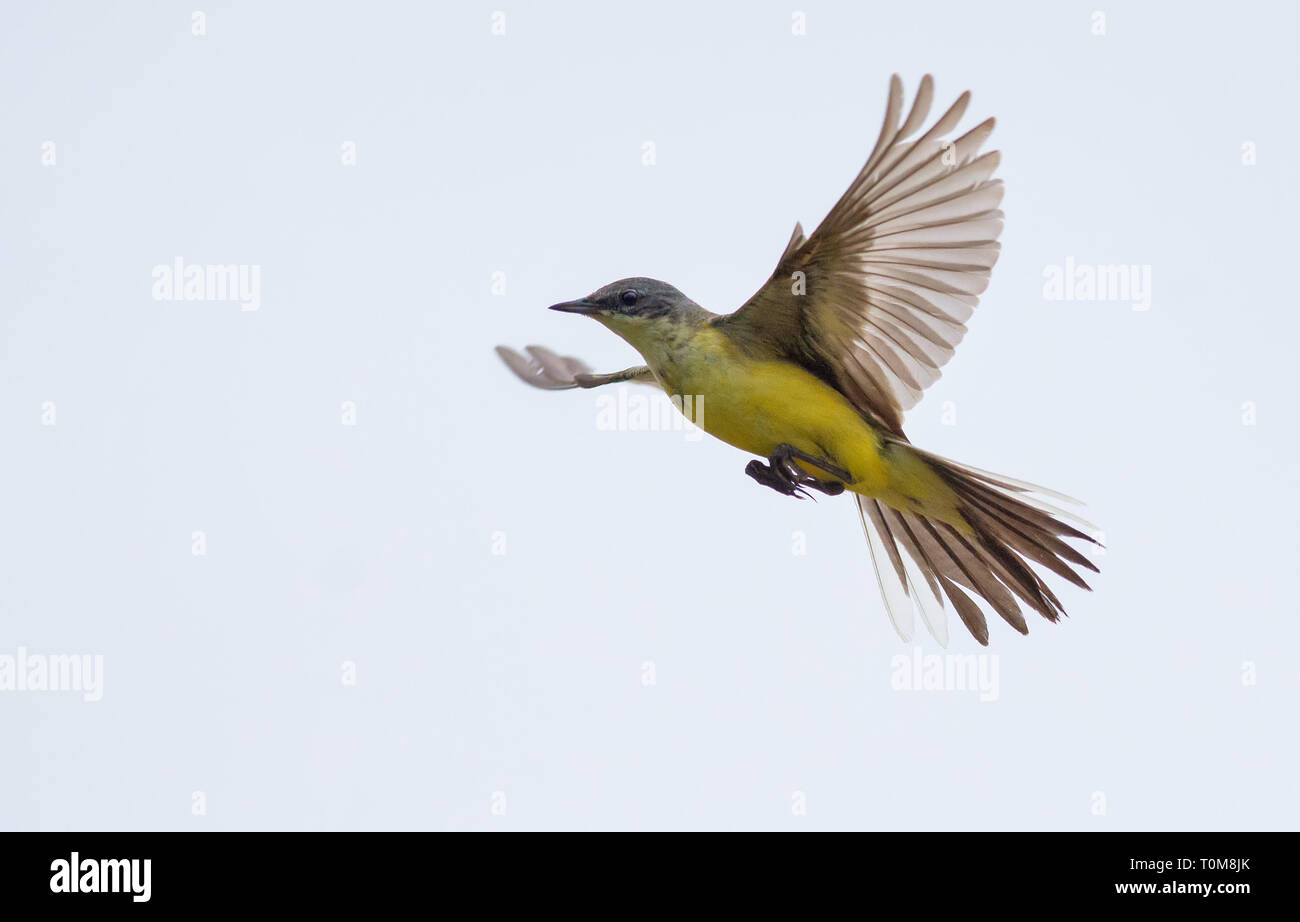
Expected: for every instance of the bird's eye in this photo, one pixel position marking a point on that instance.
(628, 297)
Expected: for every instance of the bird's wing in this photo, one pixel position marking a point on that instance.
(878, 297)
(543, 368)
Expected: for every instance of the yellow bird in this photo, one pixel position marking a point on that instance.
(815, 371)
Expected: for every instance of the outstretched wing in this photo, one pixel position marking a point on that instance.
(878, 297)
(543, 368)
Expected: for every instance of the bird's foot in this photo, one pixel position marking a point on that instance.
(789, 479)
(772, 477)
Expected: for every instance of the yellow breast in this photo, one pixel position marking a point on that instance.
(757, 404)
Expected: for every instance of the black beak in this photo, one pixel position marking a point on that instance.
(580, 306)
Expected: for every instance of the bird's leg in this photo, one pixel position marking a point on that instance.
(787, 478)
(785, 456)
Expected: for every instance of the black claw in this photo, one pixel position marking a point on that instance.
(770, 477)
(788, 479)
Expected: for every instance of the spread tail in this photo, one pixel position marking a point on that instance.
(921, 561)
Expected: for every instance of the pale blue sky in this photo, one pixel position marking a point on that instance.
(522, 673)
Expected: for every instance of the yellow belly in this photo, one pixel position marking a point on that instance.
(757, 404)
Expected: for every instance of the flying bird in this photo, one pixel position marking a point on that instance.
(814, 372)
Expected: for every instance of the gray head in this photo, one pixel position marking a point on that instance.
(632, 299)
(648, 313)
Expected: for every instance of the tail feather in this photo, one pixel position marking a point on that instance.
(891, 573)
(924, 562)
(909, 582)
(1036, 544)
(969, 612)
(984, 573)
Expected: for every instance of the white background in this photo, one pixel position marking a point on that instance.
(522, 673)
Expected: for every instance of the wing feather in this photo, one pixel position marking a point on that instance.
(544, 369)
(893, 273)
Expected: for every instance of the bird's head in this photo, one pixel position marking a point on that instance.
(643, 311)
